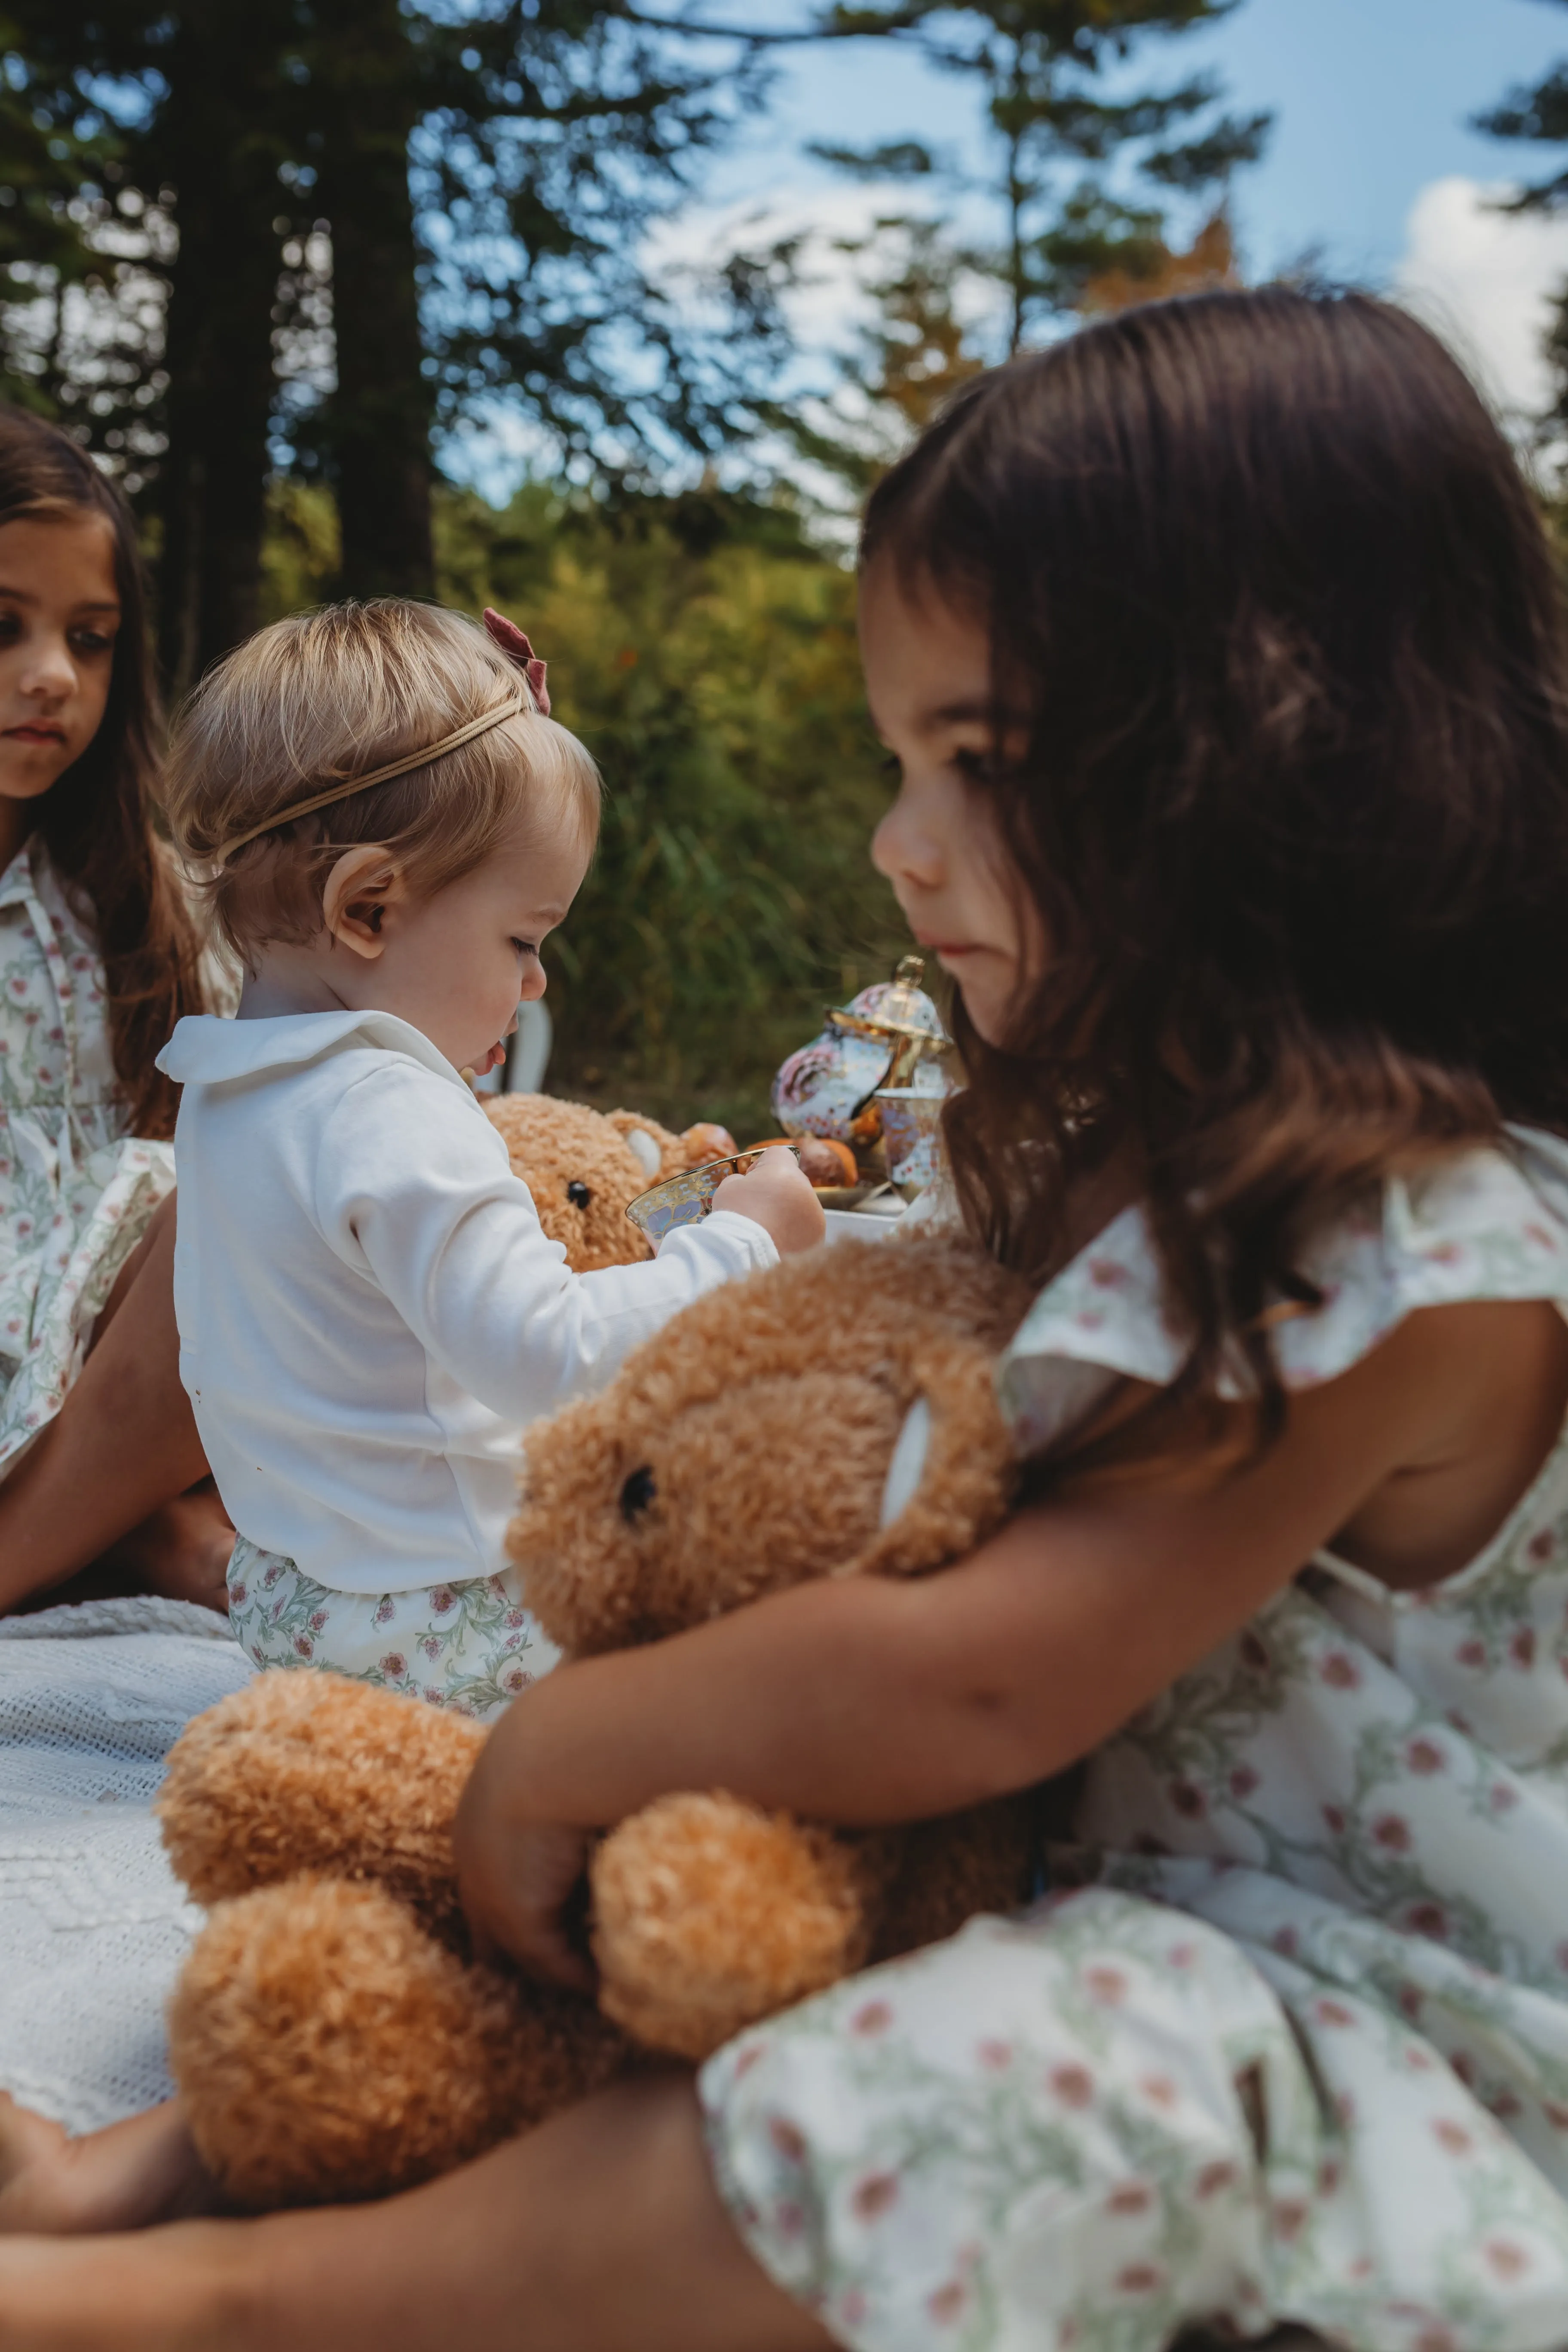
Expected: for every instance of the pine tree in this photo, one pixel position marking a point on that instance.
(439, 209)
(1540, 117)
(1057, 133)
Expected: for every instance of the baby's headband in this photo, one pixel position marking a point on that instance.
(514, 645)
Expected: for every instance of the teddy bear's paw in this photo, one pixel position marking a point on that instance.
(328, 2048)
(312, 1771)
(709, 1914)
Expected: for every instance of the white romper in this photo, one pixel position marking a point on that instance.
(1288, 2039)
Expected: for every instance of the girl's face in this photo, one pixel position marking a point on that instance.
(60, 610)
(455, 965)
(927, 680)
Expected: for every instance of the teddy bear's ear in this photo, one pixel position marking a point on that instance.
(644, 1150)
(906, 1467)
(950, 1473)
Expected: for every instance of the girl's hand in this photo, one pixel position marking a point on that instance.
(521, 1883)
(777, 1196)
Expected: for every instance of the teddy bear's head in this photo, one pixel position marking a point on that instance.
(584, 1166)
(834, 1416)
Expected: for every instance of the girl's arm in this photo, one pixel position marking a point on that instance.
(877, 1701)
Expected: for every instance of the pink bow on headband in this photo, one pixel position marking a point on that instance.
(509, 638)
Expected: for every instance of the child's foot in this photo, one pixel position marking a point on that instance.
(137, 2172)
(181, 1550)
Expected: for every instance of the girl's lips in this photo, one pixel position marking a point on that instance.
(44, 734)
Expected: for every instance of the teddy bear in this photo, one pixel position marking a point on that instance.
(584, 1166)
(333, 2035)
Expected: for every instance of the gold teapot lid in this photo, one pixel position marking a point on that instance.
(895, 1008)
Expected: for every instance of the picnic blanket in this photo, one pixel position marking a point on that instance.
(93, 1924)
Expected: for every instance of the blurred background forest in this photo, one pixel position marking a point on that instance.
(288, 267)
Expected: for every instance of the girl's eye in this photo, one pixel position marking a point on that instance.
(975, 767)
(91, 641)
(525, 947)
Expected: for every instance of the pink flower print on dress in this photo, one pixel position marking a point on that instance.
(1425, 1756)
(945, 2303)
(872, 2018)
(1340, 1671)
(1392, 1832)
(1073, 2085)
(1132, 2196)
(1139, 2278)
(443, 1601)
(874, 2195)
(394, 1665)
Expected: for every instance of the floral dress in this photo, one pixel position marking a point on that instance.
(1289, 2038)
(76, 1191)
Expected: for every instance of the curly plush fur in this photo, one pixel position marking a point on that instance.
(584, 1166)
(332, 2036)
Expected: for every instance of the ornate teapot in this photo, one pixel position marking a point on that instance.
(889, 1036)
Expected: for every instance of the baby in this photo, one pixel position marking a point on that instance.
(390, 823)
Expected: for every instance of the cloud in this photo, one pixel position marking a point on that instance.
(1485, 281)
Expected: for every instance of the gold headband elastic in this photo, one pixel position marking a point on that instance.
(517, 708)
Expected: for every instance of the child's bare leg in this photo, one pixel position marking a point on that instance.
(135, 2173)
(600, 2232)
(107, 1481)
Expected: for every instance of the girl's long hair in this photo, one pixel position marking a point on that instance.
(1264, 582)
(96, 822)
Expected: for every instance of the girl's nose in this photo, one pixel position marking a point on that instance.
(49, 670)
(905, 850)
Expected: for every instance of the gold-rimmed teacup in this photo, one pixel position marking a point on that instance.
(686, 1199)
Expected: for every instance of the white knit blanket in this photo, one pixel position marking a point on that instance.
(93, 1924)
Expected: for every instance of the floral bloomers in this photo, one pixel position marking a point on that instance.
(1289, 2041)
(471, 1647)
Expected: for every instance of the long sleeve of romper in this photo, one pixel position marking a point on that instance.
(426, 1204)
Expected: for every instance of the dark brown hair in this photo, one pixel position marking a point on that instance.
(1263, 579)
(96, 821)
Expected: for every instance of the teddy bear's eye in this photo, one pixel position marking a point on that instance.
(637, 1493)
(577, 1193)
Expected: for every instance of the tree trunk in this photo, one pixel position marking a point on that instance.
(219, 337)
(377, 435)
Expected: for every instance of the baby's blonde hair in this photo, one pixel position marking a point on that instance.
(327, 696)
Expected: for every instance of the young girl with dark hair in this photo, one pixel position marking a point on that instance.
(1224, 664)
(97, 959)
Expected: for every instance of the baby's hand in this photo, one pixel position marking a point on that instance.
(775, 1195)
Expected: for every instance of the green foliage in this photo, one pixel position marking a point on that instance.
(706, 654)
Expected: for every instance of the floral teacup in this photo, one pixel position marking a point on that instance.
(686, 1199)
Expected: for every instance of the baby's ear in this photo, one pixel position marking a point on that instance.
(361, 886)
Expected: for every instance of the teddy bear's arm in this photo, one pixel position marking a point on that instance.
(709, 1914)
